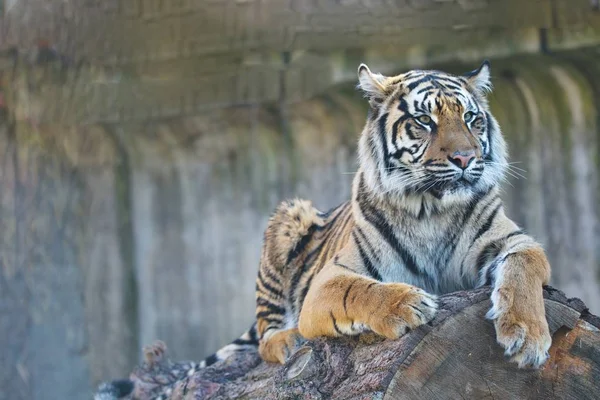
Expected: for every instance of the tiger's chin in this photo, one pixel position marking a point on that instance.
(460, 188)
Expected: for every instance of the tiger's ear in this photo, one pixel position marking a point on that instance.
(373, 85)
(479, 79)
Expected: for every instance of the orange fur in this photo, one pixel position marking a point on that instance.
(279, 346)
(519, 303)
(339, 302)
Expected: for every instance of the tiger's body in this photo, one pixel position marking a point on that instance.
(425, 218)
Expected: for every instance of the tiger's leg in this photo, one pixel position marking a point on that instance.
(518, 304)
(290, 225)
(276, 343)
(342, 302)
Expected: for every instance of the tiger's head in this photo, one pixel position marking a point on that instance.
(430, 133)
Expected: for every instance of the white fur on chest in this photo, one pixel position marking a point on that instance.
(429, 248)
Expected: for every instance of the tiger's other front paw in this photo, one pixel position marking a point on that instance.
(403, 308)
(525, 337)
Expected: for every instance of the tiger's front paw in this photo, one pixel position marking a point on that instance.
(280, 345)
(524, 335)
(404, 307)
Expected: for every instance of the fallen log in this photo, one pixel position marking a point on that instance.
(455, 356)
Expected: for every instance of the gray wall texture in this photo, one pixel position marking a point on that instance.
(144, 144)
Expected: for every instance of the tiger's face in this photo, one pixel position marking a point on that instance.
(430, 132)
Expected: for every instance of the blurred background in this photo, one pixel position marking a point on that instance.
(144, 143)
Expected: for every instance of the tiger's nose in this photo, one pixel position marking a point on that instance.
(462, 159)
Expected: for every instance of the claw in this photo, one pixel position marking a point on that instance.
(492, 314)
(526, 349)
(516, 344)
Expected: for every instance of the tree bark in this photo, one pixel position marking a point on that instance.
(455, 356)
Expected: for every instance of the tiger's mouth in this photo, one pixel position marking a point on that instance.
(460, 182)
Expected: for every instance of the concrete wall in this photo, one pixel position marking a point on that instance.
(114, 235)
(140, 161)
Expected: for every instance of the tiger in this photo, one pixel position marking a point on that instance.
(425, 218)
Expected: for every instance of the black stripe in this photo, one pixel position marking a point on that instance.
(244, 342)
(476, 201)
(395, 134)
(253, 334)
(432, 163)
(487, 225)
(488, 117)
(493, 249)
(426, 88)
(443, 79)
(338, 264)
(301, 244)
(269, 315)
(375, 218)
(453, 87)
(272, 277)
(337, 235)
(417, 158)
(340, 211)
(331, 211)
(273, 323)
(330, 241)
(416, 83)
(436, 81)
(408, 131)
(438, 101)
(339, 232)
(305, 291)
(402, 106)
(421, 210)
(489, 252)
(325, 240)
(335, 326)
(491, 271)
(346, 296)
(383, 139)
(418, 107)
(370, 247)
(210, 360)
(276, 292)
(515, 233)
(448, 252)
(309, 260)
(273, 308)
(373, 271)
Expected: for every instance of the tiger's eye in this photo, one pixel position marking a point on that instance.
(424, 119)
(469, 115)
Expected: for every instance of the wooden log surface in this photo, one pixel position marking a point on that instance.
(453, 357)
